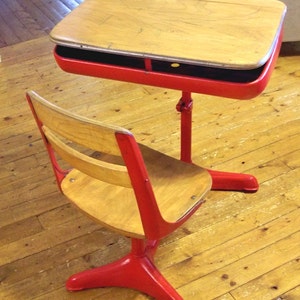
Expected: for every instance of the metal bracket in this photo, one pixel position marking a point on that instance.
(184, 104)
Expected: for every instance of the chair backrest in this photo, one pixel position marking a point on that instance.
(60, 129)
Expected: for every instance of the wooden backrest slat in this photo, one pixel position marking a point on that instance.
(83, 131)
(61, 127)
(108, 172)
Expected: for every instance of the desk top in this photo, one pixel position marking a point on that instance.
(229, 34)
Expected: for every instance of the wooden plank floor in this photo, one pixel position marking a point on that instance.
(23, 20)
(237, 246)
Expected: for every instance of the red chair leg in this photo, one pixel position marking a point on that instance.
(135, 271)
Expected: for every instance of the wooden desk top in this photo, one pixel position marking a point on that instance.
(230, 34)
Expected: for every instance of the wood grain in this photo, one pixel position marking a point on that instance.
(236, 244)
(24, 20)
(235, 34)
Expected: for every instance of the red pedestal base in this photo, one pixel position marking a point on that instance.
(136, 271)
(225, 181)
(228, 181)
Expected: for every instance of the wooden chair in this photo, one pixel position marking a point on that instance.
(132, 189)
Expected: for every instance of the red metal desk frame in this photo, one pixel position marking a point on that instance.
(146, 72)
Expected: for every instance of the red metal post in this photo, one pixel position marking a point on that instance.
(226, 181)
(185, 106)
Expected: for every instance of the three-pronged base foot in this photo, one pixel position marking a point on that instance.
(136, 271)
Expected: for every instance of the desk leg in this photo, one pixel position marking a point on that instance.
(225, 181)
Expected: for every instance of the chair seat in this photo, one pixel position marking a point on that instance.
(178, 187)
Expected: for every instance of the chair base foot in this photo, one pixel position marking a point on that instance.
(132, 271)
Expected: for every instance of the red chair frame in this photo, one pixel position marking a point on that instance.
(136, 270)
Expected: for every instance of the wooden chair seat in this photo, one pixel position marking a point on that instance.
(171, 180)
